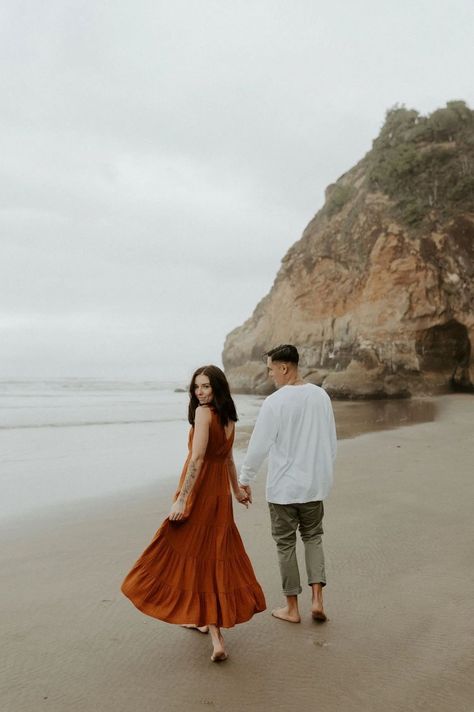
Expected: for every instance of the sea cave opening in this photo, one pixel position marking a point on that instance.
(446, 348)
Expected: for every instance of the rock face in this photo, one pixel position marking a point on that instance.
(378, 292)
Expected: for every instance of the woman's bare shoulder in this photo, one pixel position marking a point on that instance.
(203, 414)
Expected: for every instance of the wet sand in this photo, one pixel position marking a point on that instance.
(399, 534)
(355, 418)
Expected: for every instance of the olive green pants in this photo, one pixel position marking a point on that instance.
(308, 518)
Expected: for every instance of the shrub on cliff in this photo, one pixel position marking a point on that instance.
(425, 163)
(337, 198)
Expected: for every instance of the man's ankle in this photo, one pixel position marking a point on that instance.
(292, 603)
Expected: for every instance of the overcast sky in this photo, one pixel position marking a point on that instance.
(159, 158)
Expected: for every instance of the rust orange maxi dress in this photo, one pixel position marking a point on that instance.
(196, 571)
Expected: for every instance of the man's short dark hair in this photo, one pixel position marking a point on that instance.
(285, 352)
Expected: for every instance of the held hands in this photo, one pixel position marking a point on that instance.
(177, 510)
(248, 492)
(243, 496)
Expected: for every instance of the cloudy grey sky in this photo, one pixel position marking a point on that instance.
(159, 158)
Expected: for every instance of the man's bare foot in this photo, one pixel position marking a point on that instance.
(319, 615)
(285, 615)
(317, 608)
(201, 629)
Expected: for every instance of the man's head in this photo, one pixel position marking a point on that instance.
(282, 364)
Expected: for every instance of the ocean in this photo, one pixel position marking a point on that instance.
(73, 439)
(79, 439)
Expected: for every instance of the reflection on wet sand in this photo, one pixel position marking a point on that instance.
(357, 417)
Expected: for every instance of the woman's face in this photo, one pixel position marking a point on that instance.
(203, 390)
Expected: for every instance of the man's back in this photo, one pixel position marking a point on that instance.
(296, 426)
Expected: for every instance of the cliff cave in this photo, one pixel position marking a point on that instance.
(446, 348)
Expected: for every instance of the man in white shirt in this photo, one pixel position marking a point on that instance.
(295, 427)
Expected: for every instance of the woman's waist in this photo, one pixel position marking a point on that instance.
(216, 458)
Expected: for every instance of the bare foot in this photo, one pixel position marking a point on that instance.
(218, 656)
(201, 629)
(284, 615)
(319, 615)
(219, 653)
(317, 608)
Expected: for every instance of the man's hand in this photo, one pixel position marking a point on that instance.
(177, 510)
(242, 497)
(248, 492)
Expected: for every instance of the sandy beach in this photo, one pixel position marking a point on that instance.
(400, 561)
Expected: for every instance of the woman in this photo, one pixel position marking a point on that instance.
(196, 572)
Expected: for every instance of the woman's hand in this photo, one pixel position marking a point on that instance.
(177, 510)
(242, 497)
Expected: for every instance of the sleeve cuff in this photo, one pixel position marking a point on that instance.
(245, 479)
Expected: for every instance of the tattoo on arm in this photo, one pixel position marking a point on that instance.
(189, 480)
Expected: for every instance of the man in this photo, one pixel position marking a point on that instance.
(295, 426)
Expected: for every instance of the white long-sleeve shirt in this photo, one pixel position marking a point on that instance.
(295, 427)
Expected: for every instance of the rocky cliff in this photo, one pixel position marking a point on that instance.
(378, 292)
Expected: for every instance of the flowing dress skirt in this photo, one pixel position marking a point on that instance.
(196, 571)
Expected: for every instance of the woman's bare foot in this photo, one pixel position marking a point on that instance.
(201, 629)
(286, 614)
(219, 653)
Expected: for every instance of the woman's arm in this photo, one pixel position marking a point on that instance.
(239, 493)
(200, 440)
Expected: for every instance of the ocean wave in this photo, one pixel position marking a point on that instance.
(88, 423)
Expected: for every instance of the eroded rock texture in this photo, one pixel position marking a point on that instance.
(378, 292)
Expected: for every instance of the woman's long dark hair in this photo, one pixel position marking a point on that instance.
(222, 400)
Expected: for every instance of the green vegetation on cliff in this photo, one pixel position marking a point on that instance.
(425, 163)
(338, 197)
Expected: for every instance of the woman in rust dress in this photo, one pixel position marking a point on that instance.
(195, 572)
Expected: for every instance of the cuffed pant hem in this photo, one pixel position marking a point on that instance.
(293, 593)
(323, 583)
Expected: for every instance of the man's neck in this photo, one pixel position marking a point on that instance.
(294, 379)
